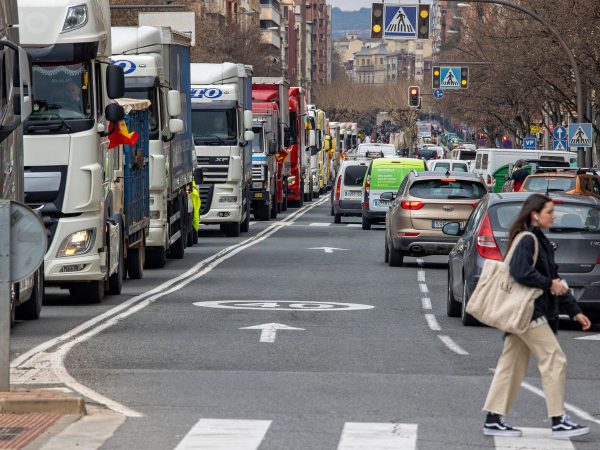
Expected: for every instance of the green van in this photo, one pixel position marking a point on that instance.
(384, 175)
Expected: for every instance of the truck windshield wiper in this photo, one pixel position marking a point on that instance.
(198, 140)
(41, 127)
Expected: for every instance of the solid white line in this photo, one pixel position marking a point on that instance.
(95, 325)
(320, 224)
(354, 225)
(216, 434)
(421, 276)
(448, 342)
(432, 322)
(420, 261)
(533, 439)
(378, 436)
(423, 288)
(426, 302)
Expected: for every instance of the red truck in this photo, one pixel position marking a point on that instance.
(298, 161)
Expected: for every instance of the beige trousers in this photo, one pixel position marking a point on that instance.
(512, 368)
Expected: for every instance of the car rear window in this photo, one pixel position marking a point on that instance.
(427, 154)
(353, 175)
(543, 184)
(467, 155)
(376, 150)
(447, 189)
(442, 167)
(459, 167)
(569, 217)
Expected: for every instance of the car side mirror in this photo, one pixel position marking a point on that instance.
(452, 229)
(387, 196)
(198, 176)
(115, 81)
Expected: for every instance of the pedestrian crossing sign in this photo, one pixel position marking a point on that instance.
(580, 135)
(400, 21)
(450, 77)
(559, 145)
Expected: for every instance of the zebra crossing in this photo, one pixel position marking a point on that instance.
(228, 434)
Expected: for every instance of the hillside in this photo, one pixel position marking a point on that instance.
(351, 21)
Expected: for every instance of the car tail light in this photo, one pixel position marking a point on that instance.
(598, 260)
(368, 184)
(557, 202)
(489, 179)
(410, 234)
(412, 205)
(338, 187)
(486, 243)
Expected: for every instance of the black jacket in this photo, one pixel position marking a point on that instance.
(541, 276)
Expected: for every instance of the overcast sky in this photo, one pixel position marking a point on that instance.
(350, 4)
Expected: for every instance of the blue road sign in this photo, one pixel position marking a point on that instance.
(450, 77)
(559, 145)
(560, 133)
(530, 143)
(438, 93)
(400, 21)
(580, 135)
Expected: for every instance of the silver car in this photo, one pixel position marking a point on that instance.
(346, 194)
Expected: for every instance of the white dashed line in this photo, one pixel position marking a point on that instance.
(448, 342)
(426, 301)
(420, 262)
(421, 276)
(432, 322)
(423, 288)
(319, 224)
(354, 225)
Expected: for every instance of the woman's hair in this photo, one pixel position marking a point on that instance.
(535, 202)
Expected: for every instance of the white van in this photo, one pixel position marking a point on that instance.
(488, 160)
(346, 196)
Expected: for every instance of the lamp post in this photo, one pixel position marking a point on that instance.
(582, 157)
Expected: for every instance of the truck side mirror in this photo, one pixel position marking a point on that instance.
(114, 112)
(198, 176)
(175, 126)
(174, 103)
(248, 136)
(272, 147)
(248, 119)
(115, 81)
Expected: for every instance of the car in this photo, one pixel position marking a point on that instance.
(503, 175)
(575, 238)
(376, 150)
(346, 196)
(447, 165)
(464, 154)
(384, 174)
(425, 202)
(431, 152)
(579, 182)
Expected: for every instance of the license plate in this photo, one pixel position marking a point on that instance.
(257, 185)
(439, 224)
(352, 194)
(382, 204)
(258, 195)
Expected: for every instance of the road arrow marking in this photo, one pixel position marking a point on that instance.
(269, 330)
(595, 337)
(329, 249)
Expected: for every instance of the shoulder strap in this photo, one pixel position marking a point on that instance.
(518, 239)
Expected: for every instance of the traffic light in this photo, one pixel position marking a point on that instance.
(414, 96)
(423, 22)
(377, 21)
(464, 77)
(435, 81)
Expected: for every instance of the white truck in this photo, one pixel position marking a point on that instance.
(222, 132)
(156, 63)
(68, 167)
(26, 295)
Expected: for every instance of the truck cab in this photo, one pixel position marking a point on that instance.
(264, 160)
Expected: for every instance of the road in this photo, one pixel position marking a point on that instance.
(372, 361)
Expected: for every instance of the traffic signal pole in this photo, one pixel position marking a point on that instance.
(584, 159)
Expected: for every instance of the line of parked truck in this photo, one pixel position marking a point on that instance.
(244, 145)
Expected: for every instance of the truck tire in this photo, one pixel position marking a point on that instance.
(194, 236)
(135, 263)
(177, 250)
(262, 212)
(231, 229)
(156, 257)
(337, 218)
(31, 309)
(245, 225)
(190, 233)
(115, 281)
(284, 205)
(88, 291)
(274, 210)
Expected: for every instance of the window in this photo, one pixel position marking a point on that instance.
(596, 186)
(550, 184)
(484, 161)
(353, 175)
(381, 61)
(449, 189)
(153, 113)
(257, 142)
(460, 167)
(570, 217)
(214, 126)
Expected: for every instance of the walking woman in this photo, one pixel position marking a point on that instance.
(536, 214)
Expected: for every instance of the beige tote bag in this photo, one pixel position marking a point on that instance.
(499, 300)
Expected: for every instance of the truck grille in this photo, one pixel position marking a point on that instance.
(257, 173)
(206, 195)
(214, 168)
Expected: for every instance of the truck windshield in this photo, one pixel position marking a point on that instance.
(214, 126)
(62, 91)
(147, 94)
(257, 142)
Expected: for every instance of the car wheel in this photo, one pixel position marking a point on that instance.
(467, 319)
(366, 223)
(337, 218)
(386, 257)
(453, 308)
(31, 309)
(396, 257)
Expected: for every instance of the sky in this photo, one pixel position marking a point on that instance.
(350, 4)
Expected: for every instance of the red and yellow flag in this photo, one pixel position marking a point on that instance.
(122, 136)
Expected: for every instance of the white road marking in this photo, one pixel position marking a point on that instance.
(354, 225)
(448, 342)
(432, 322)
(253, 223)
(533, 439)
(594, 337)
(421, 276)
(423, 288)
(378, 436)
(426, 302)
(420, 261)
(329, 249)
(92, 327)
(283, 305)
(268, 332)
(219, 434)
(320, 224)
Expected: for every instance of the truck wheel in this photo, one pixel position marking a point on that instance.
(115, 281)
(31, 309)
(194, 236)
(156, 257)
(190, 234)
(262, 211)
(88, 291)
(231, 229)
(245, 225)
(177, 250)
(273, 210)
(135, 263)
(284, 205)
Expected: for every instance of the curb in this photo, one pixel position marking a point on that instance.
(28, 402)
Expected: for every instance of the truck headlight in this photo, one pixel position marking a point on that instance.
(77, 16)
(228, 199)
(76, 243)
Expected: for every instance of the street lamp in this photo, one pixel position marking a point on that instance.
(583, 157)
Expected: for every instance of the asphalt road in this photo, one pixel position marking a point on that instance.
(386, 370)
